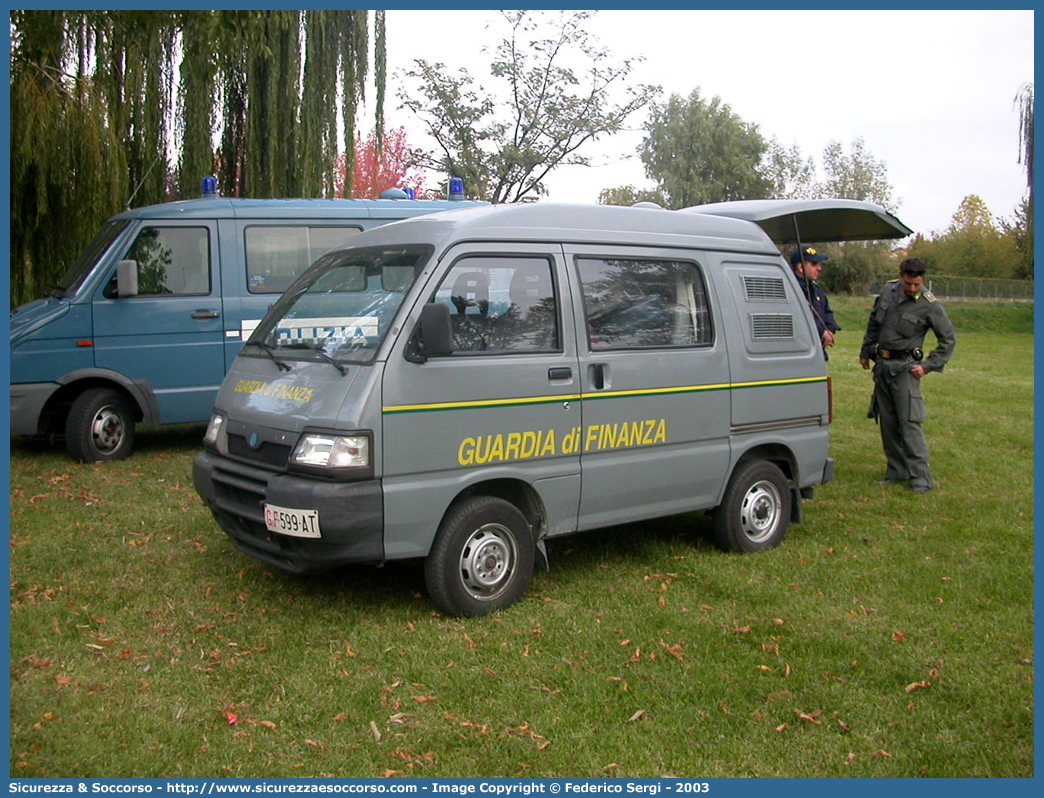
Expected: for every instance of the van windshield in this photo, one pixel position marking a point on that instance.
(343, 306)
(77, 273)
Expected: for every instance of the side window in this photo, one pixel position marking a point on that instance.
(644, 303)
(172, 260)
(275, 256)
(501, 304)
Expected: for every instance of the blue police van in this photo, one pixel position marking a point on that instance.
(144, 325)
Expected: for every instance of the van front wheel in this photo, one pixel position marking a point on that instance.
(482, 557)
(100, 426)
(755, 511)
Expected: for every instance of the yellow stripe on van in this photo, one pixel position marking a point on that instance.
(539, 400)
(525, 400)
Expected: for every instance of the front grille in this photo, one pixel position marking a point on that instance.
(268, 453)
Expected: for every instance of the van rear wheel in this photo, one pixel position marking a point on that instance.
(100, 426)
(482, 557)
(755, 512)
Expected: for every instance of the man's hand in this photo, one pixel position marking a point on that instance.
(918, 371)
(828, 338)
(864, 362)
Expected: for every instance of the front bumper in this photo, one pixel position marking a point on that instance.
(351, 514)
(28, 400)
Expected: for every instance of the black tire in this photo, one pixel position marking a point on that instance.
(755, 511)
(482, 557)
(100, 426)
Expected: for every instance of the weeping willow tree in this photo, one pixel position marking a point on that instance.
(114, 109)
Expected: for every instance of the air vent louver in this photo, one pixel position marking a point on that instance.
(771, 326)
(764, 289)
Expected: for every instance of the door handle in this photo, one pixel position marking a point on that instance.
(203, 313)
(560, 373)
(598, 375)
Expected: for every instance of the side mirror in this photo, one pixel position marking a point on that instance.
(434, 334)
(127, 278)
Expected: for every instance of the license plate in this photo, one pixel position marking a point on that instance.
(287, 521)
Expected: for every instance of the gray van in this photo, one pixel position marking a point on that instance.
(463, 386)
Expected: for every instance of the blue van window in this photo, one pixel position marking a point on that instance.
(277, 254)
(644, 303)
(172, 260)
(84, 265)
(501, 304)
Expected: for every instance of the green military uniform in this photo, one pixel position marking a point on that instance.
(894, 337)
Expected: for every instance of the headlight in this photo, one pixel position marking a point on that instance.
(215, 436)
(332, 451)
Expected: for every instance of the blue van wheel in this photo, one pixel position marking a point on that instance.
(482, 557)
(755, 510)
(100, 426)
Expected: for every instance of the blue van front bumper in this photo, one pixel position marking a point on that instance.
(351, 514)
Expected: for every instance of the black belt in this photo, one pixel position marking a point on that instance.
(900, 354)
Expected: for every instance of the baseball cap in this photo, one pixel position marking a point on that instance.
(810, 253)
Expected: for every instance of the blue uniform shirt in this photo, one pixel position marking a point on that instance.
(817, 300)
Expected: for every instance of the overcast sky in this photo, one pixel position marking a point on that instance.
(932, 93)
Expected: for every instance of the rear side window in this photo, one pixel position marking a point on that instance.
(276, 256)
(172, 261)
(501, 304)
(636, 303)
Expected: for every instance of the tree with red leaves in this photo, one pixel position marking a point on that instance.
(393, 167)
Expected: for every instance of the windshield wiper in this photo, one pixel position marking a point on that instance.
(321, 353)
(271, 353)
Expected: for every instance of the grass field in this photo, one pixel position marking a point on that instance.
(891, 635)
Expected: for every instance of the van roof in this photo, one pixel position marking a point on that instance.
(231, 208)
(602, 224)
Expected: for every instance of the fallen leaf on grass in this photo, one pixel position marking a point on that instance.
(879, 753)
(266, 723)
(423, 699)
(231, 718)
(636, 716)
(376, 731)
(811, 717)
(898, 637)
(916, 686)
(674, 651)
(782, 727)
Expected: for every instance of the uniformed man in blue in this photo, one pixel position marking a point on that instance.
(901, 316)
(807, 263)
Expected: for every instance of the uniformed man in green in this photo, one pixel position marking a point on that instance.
(902, 315)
